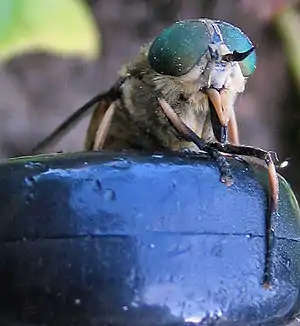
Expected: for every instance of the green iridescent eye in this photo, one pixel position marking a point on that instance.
(178, 48)
(235, 39)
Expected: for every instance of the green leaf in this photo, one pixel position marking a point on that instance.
(65, 27)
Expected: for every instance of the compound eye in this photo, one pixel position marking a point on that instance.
(239, 43)
(178, 48)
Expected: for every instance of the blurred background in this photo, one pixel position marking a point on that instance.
(56, 56)
(41, 85)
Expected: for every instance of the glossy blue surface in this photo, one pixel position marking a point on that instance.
(121, 239)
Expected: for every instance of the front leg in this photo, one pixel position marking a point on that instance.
(214, 149)
(224, 168)
(273, 197)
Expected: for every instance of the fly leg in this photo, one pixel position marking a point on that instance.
(273, 195)
(214, 150)
(189, 135)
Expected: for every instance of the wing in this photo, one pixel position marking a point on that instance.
(101, 104)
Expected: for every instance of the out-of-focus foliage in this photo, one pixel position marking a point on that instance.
(65, 27)
(267, 10)
(288, 24)
(285, 16)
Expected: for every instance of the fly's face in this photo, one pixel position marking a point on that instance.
(213, 72)
(213, 56)
(219, 74)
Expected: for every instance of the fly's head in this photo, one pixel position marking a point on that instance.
(212, 57)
